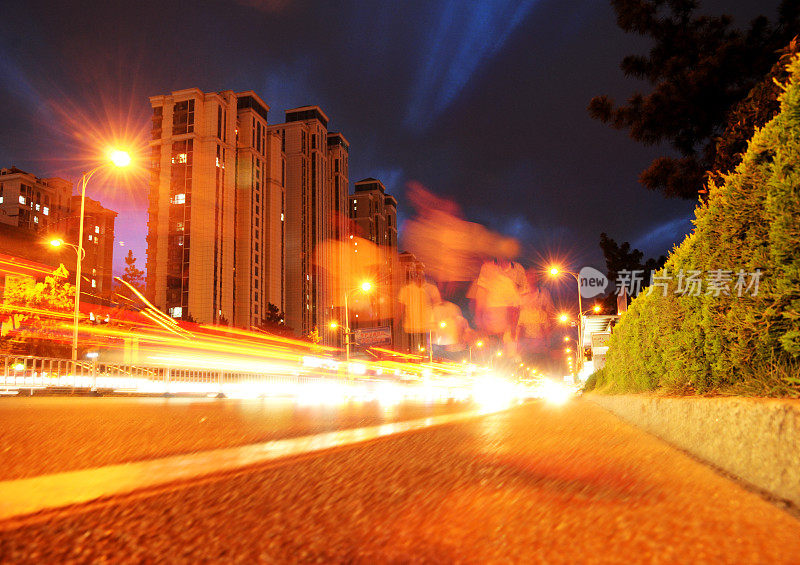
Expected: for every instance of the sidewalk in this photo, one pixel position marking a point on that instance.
(758, 440)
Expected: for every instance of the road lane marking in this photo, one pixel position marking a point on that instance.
(21, 497)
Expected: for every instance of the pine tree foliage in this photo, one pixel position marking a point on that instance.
(700, 67)
(133, 275)
(750, 222)
(620, 257)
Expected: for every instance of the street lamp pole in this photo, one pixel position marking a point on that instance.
(364, 287)
(347, 334)
(81, 252)
(119, 159)
(579, 357)
(84, 180)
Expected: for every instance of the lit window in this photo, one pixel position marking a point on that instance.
(90, 237)
(94, 283)
(281, 216)
(45, 209)
(179, 199)
(97, 229)
(179, 226)
(37, 207)
(21, 199)
(176, 311)
(94, 272)
(218, 162)
(1, 201)
(36, 219)
(180, 158)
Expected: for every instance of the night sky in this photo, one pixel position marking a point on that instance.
(482, 102)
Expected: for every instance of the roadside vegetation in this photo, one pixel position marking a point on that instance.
(722, 342)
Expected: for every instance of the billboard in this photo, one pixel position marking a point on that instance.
(370, 337)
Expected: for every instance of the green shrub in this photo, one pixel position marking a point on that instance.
(750, 222)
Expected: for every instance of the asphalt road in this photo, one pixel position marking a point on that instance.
(535, 483)
(42, 435)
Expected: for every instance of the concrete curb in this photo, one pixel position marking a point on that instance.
(758, 440)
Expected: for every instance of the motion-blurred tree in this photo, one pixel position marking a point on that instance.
(700, 68)
(39, 314)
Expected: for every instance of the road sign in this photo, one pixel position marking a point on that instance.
(373, 336)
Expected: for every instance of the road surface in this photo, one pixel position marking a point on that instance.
(535, 483)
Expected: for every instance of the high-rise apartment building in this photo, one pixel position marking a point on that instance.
(373, 215)
(260, 212)
(316, 186)
(36, 210)
(215, 229)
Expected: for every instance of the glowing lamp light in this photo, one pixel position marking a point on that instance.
(568, 350)
(333, 325)
(442, 324)
(120, 158)
(479, 344)
(563, 317)
(566, 338)
(554, 271)
(366, 286)
(597, 309)
(499, 353)
(56, 242)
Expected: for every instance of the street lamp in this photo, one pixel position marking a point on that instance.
(365, 286)
(555, 271)
(117, 158)
(478, 344)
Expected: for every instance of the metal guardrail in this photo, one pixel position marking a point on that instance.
(29, 372)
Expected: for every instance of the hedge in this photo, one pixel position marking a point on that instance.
(750, 222)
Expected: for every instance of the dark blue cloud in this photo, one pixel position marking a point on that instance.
(463, 38)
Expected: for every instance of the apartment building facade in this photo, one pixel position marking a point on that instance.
(373, 215)
(316, 187)
(215, 229)
(36, 210)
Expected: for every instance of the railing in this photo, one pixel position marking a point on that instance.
(28, 372)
